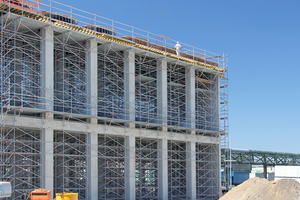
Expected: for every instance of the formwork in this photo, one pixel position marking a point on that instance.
(106, 110)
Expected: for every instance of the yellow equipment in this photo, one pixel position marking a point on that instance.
(66, 196)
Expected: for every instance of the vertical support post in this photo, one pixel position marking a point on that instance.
(17, 78)
(227, 174)
(162, 92)
(92, 77)
(265, 170)
(47, 68)
(129, 77)
(163, 169)
(92, 162)
(130, 168)
(18, 67)
(230, 164)
(191, 170)
(219, 104)
(219, 169)
(190, 98)
(218, 117)
(47, 156)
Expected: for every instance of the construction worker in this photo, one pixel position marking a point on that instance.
(177, 48)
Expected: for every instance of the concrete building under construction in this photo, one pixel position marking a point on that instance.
(106, 110)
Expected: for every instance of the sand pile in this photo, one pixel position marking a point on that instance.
(261, 189)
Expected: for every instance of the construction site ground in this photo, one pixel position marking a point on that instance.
(262, 189)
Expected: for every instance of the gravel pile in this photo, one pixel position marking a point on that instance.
(262, 189)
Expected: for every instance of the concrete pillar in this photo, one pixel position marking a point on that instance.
(130, 168)
(129, 77)
(47, 68)
(92, 77)
(162, 92)
(191, 170)
(47, 156)
(163, 169)
(92, 164)
(190, 97)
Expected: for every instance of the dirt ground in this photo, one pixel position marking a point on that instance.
(262, 189)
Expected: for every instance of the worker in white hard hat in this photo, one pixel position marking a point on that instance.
(177, 48)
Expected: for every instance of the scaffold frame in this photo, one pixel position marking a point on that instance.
(128, 119)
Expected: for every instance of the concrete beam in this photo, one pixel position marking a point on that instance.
(92, 77)
(130, 168)
(28, 122)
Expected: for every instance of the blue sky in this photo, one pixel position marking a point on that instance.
(262, 40)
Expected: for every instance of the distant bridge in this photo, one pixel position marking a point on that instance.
(254, 157)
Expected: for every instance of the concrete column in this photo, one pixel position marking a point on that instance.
(47, 68)
(92, 77)
(130, 168)
(129, 77)
(163, 169)
(191, 170)
(92, 163)
(190, 97)
(47, 157)
(162, 92)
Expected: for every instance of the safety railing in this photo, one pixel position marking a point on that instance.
(57, 11)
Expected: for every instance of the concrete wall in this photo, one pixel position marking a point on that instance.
(292, 172)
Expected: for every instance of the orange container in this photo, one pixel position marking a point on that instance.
(41, 195)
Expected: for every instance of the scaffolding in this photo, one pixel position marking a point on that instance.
(70, 166)
(111, 167)
(206, 166)
(177, 170)
(176, 95)
(70, 74)
(110, 83)
(224, 127)
(21, 65)
(20, 159)
(146, 89)
(144, 125)
(206, 87)
(146, 168)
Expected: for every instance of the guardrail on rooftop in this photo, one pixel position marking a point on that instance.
(159, 43)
